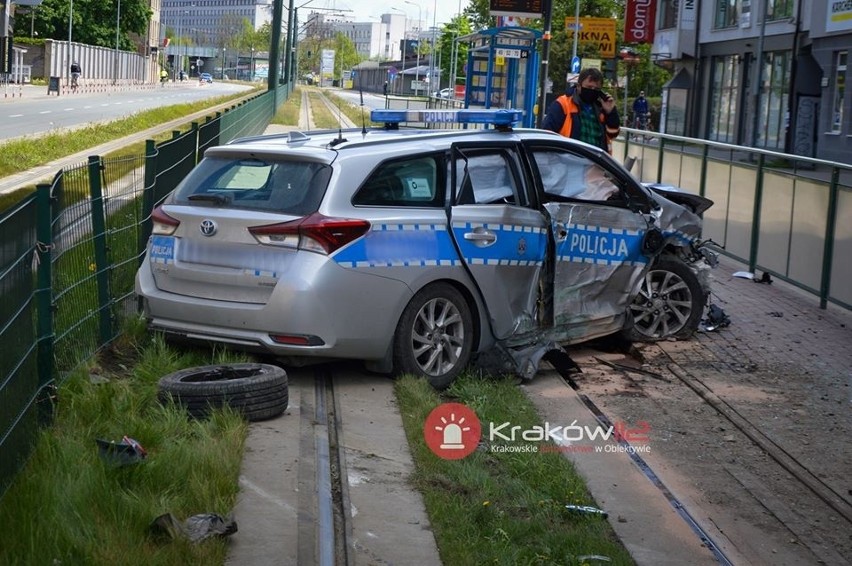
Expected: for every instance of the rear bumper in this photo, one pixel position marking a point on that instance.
(354, 315)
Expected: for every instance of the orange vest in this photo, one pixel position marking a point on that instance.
(570, 108)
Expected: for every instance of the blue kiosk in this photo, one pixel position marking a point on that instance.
(502, 70)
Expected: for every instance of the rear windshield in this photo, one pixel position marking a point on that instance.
(288, 187)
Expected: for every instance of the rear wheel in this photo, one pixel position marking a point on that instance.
(434, 337)
(669, 304)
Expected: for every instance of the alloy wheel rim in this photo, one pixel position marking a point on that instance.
(663, 306)
(437, 337)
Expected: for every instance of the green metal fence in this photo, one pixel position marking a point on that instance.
(68, 258)
(774, 212)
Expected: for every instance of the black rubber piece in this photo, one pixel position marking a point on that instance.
(257, 391)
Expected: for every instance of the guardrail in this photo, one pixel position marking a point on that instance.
(777, 213)
(68, 259)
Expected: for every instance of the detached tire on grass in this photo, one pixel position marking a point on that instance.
(257, 391)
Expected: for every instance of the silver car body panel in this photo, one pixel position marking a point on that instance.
(212, 280)
(598, 262)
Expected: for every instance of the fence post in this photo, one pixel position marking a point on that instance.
(147, 197)
(755, 219)
(660, 160)
(44, 297)
(702, 183)
(828, 247)
(102, 266)
(196, 134)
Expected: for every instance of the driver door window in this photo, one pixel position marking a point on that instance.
(491, 179)
(570, 176)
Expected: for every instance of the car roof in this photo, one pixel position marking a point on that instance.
(340, 139)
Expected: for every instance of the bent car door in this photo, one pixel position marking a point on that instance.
(598, 229)
(500, 234)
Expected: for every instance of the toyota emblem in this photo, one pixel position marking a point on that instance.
(207, 227)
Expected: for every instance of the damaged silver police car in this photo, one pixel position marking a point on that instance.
(416, 250)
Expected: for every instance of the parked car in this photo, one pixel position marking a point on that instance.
(205, 78)
(416, 249)
(444, 93)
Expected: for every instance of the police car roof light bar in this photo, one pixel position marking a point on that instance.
(498, 117)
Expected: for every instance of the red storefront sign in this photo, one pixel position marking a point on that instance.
(640, 16)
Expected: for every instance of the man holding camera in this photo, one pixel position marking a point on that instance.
(585, 112)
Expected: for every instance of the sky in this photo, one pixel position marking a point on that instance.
(371, 10)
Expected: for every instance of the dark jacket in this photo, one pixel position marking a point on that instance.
(562, 117)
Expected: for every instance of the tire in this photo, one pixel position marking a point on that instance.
(434, 337)
(257, 391)
(669, 304)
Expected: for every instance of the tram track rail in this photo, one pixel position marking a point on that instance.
(781, 485)
(324, 516)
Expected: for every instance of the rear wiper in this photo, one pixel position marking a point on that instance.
(218, 199)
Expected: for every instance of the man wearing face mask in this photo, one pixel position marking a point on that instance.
(585, 112)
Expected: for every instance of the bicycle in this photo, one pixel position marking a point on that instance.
(642, 122)
(74, 81)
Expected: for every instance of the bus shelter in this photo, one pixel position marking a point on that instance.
(502, 69)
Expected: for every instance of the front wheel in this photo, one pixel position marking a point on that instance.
(434, 337)
(669, 304)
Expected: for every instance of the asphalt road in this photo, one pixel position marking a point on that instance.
(35, 113)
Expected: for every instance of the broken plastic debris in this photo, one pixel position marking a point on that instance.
(123, 453)
(587, 510)
(744, 275)
(196, 528)
(716, 319)
(598, 557)
(765, 278)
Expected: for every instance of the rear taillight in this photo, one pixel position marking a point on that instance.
(316, 233)
(163, 224)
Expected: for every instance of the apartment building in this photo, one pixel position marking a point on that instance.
(211, 22)
(762, 73)
(381, 40)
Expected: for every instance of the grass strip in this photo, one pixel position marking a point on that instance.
(68, 506)
(497, 507)
(324, 119)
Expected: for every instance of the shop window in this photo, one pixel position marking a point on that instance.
(727, 13)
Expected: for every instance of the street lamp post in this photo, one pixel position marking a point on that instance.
(432, 55)
(117, 21)
(223, 62)
(70, 49)
(404, 43)
(419, 25)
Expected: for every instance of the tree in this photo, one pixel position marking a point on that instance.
(458, 26)
(345, 56)
(93, 21)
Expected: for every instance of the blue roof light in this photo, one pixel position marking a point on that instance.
(497, 117)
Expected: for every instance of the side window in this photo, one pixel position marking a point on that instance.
(491, 179)
(569, 176)
(408, 182)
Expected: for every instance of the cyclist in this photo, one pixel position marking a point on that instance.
(641, 112)
(76, 71)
